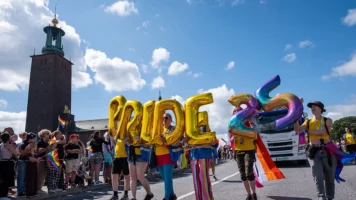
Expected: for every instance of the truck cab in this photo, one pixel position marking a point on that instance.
(284, 144)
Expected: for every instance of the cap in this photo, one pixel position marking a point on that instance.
(73, 136)
(317, 103)
(30, 136)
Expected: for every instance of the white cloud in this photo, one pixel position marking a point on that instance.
(288, 46)
(144, 68)
(305, 43)
(336, 112)
(220, 111)
(144, 24)
(158, 82)
(179, 99)
(13, 119)
(122, 8)
(22, 16)
(350, 18)
(3, 103)
(157, 15)
(289, 58)
(346, 69)
(177, 68)
(114, 73)
(196, 75)
(230, 65)
(158, 56)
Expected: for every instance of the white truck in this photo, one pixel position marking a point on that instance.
(283, 145)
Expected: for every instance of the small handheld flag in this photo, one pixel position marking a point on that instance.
(53, 158)
(61, 121)
(52, 141)
(90, 149)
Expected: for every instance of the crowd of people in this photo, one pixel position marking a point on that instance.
(81, 162)
(126, 159)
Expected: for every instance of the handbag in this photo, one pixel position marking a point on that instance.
(152, 162)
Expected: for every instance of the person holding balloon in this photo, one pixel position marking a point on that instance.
(245, 151)
(137, 166)
(165, 164)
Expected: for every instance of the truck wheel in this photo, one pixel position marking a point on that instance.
(302, 162)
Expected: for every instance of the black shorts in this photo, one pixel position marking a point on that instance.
(120, 165)
(351, 148)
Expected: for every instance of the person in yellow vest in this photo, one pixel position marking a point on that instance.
(350, 141)
(120, 166)
(245, 150)
(322, 162)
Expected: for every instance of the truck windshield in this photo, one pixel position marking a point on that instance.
(265, 122)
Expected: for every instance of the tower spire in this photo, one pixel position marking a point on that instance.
(159, 96)
(54, 20)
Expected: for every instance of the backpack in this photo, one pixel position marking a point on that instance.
(327, 130)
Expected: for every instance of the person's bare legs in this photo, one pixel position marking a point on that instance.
(253, 186)
(247, 187)
(140, 173)
(133, 176)
(97, 171)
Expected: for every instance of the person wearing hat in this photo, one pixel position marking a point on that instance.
(72, 159)
(322, 162)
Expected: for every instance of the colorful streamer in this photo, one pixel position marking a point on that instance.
(264, 167)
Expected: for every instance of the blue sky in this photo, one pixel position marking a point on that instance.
(313, 36)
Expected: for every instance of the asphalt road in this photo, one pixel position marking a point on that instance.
(298, 185)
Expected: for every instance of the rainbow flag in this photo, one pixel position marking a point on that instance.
(90, 149)
(52, 141)
(61, 121)
(264, 167)
(53, 158)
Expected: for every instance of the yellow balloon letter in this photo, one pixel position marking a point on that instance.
(195, 137)
(147, 122)
(129, 127)
(115, 109)
(160, 108)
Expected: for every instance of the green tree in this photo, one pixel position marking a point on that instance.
(340, 125)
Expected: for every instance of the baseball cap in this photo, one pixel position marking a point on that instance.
(73, 136)
(30, 136)
(317, 103)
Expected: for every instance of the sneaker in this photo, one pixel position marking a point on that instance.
(148, 197)
(249, 197)
(125, 197)
(114, 197)
(11, 192)
(215, 177)
(254, 196)
(172, 197)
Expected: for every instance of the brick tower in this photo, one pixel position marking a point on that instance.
(50, 83)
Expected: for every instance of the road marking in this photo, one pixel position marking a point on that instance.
(214, 183)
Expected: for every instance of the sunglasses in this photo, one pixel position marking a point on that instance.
(166, 118)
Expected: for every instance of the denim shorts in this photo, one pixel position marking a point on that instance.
(138, 159)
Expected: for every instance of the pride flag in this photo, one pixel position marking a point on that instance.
(61, 121)
(264, 167)
(53, 158)
(51, 142)
(89, 148)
